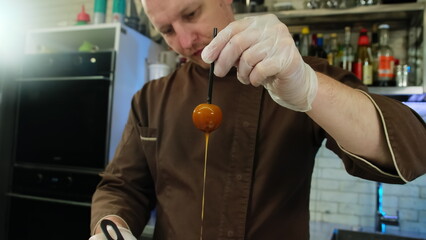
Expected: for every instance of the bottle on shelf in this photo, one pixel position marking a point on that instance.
(385, 59)
(333, 55)
(313, 45)
(363, 63)
(83, 18)
(319, 50)
(99, 11)
(118, 11)
(347, 52)
(304, 42)
(296, 39)
(367, 2)
(326, 43)
(374, 39)
(374, 48)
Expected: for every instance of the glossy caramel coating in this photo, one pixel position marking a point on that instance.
(207, 117)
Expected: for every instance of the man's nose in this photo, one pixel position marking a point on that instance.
(185, 36)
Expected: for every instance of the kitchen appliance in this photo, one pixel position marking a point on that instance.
(62, 141)
(71, 109)
(63, 109)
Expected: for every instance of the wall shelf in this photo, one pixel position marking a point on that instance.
(396, 90)
(407, 21)
(363, 13)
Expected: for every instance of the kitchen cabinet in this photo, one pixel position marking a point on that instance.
(407, 21)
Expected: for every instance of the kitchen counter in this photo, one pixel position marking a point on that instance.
(318, 231)
(324, 230)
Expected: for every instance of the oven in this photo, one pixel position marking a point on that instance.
(62, 141)
(63, 108)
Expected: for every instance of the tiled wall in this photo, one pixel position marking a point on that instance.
(336, 197)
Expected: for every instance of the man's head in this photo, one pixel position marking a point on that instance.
(187, 25)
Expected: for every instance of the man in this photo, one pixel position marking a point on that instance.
(261, 158)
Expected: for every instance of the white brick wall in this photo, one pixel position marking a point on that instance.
(337, 197)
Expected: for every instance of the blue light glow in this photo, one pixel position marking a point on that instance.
(380, 204)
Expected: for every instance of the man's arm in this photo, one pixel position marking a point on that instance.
(351, 118)
(126, 192)
(376, 134)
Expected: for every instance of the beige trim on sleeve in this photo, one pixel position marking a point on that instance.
(387, 141)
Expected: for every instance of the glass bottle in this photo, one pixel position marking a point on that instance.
(296, 39)
(347, 51)
(374, 49)
(367, 2)
(313, 45)
(374, 39)
(320, 52)
(333, 56)
(304, 42)
(385, 59)
(312, 4)
(363, 63)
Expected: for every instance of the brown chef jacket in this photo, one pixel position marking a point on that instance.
(260, 160)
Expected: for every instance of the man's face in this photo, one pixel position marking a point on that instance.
(187, 25)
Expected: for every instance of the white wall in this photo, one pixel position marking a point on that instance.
(336, 197)
(51, 13)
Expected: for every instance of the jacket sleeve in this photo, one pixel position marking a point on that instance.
(126, 188)
(405, 133)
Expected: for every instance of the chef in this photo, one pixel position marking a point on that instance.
(278, 107)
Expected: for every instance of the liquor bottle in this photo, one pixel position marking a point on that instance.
(385, 59)
(367, 2)
(118, 11)
(304, 42)
(319, 51)
(374, 39)
(347, 51)
(374, 49)
(99, 11)
(333, 56)
(363, 63)
(313, 45)
(296, 39)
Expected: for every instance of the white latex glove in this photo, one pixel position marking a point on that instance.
(265, 54)
(127, 235)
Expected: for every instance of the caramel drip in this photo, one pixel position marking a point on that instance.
(204, 185)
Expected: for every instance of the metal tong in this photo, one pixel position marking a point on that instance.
(104, 224)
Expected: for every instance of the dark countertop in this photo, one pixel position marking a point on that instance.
(324, 230)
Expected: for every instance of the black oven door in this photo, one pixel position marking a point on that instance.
(63, 121)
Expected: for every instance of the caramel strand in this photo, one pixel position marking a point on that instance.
(204, 185)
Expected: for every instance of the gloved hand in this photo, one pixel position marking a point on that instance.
(264, 52)
(127, 235)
